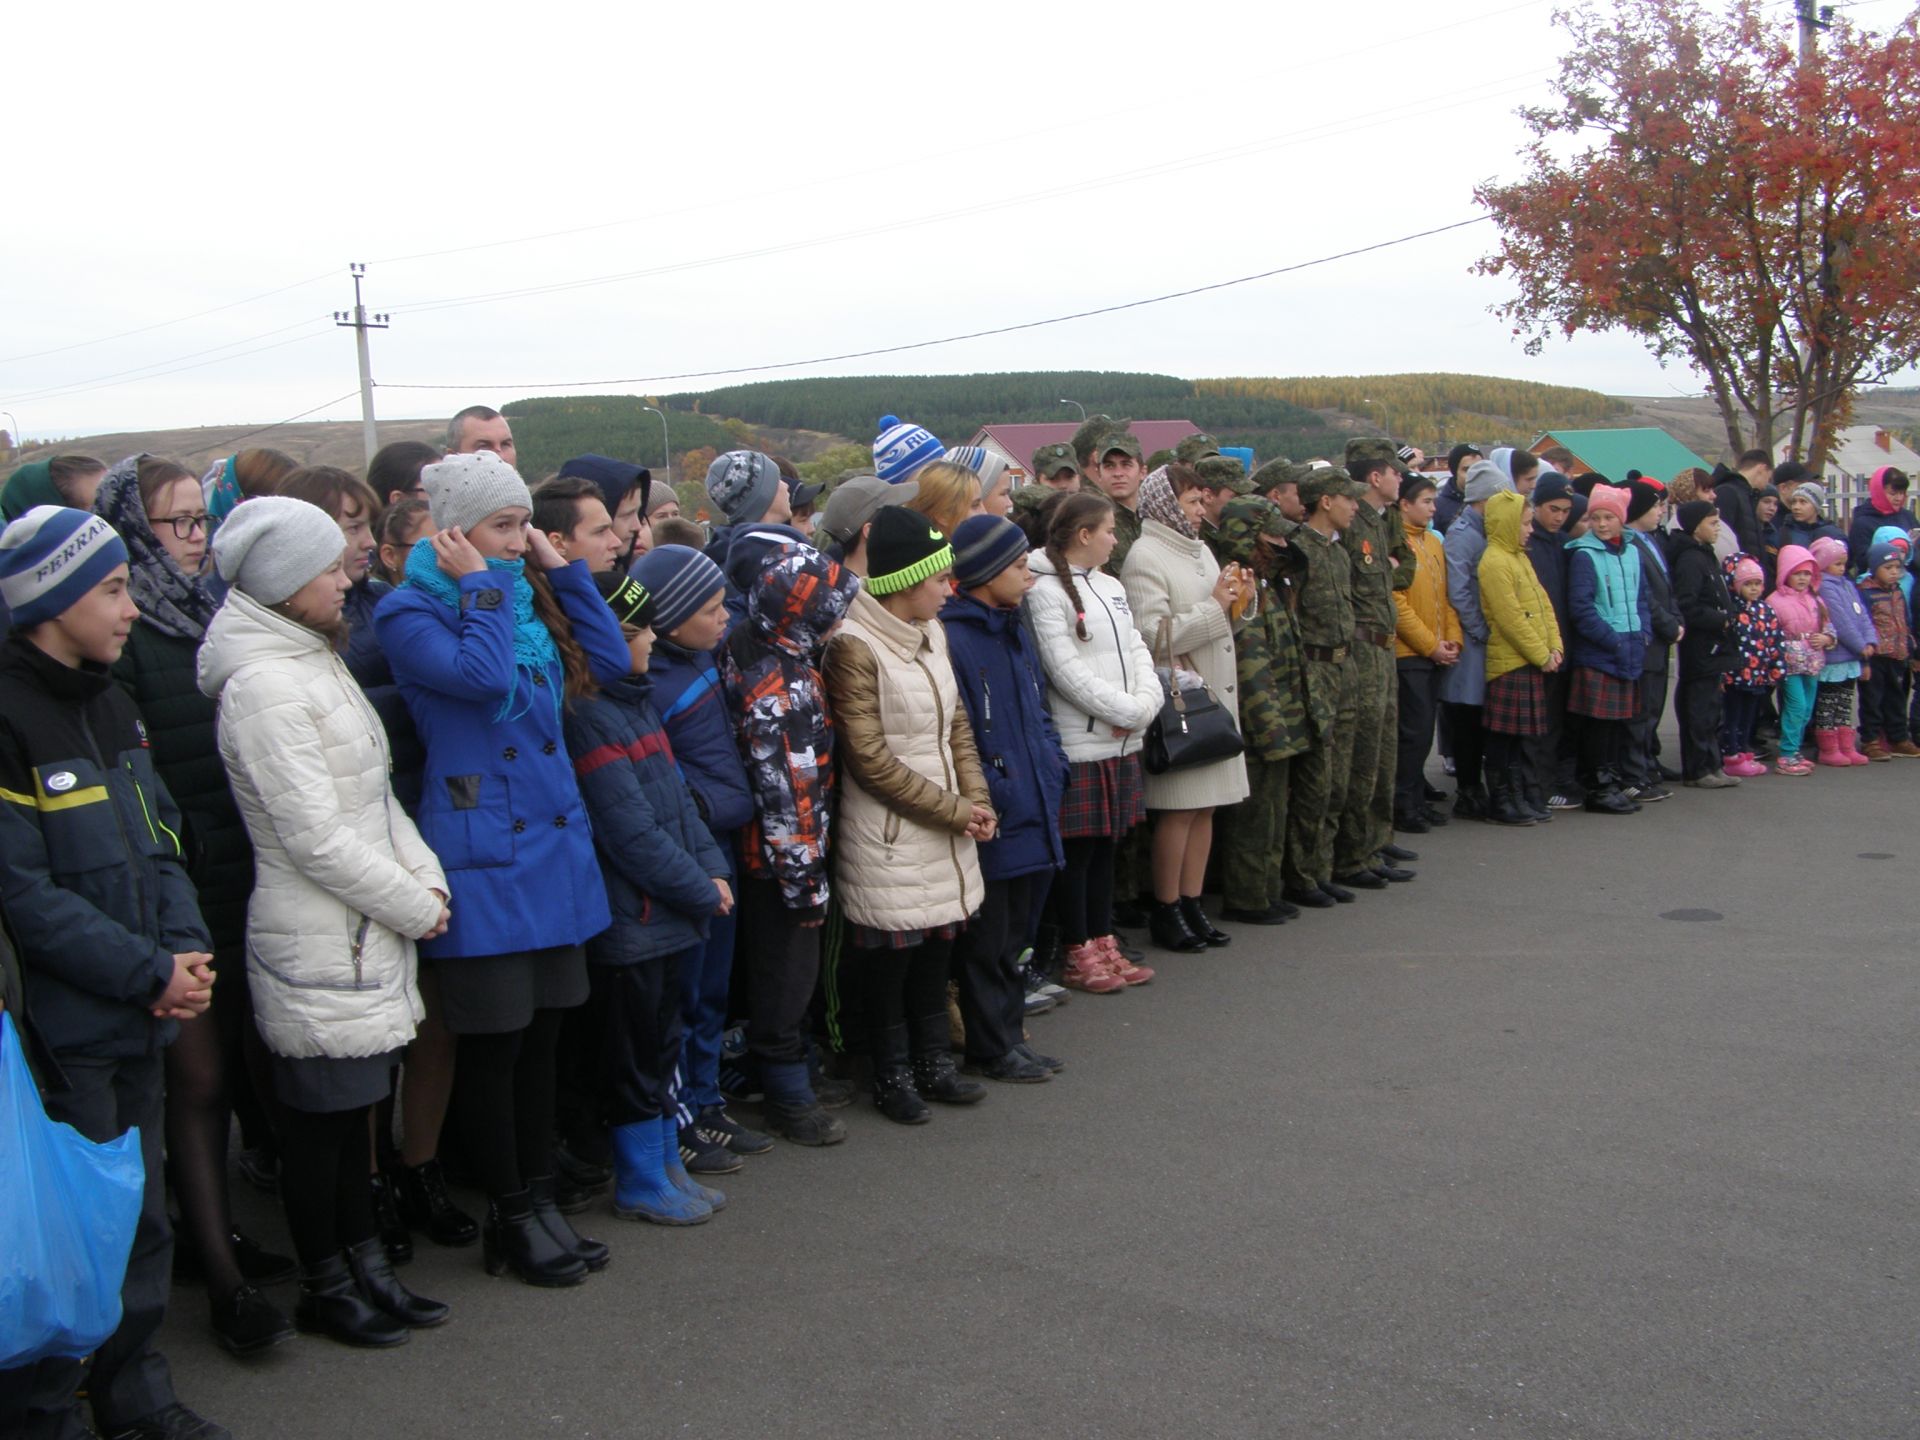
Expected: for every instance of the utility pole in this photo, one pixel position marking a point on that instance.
(1812, 19)
(358, 321)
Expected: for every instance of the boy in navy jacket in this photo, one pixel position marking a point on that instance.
(1005, 694)
(112, 948)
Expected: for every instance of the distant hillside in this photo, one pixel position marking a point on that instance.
(332, 442)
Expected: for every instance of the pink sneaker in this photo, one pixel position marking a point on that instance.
(1744, 766)
(1118, 964)
(1792, 765)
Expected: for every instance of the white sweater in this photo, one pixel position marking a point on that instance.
(1099, 684)
(343, 882)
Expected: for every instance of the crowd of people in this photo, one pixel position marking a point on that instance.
(528, 829)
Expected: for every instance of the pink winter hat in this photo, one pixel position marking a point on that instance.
(1609, 497)
(1826, 550)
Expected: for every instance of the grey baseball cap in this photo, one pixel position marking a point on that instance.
(856, 500)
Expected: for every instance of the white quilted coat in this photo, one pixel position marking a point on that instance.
(1098, 684)
(342, 879)
(891, 873)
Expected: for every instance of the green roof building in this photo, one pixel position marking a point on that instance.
(1612, 453)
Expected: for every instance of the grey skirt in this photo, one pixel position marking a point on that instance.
(322, 1084)
(497, 994)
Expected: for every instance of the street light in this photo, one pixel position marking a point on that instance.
(666, 447)
(13, 430)
(1078, 406)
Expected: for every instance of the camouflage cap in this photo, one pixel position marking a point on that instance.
(1278, 471)
(1242, 522)
(1122, 440)
(1196, 447)
(1050, 460)
(1033, 497)
(1224, 472)
(1089, 439)
(1365, 452)
(1328, 480)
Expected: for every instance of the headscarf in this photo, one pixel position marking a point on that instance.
(1503, 457)
(29, 486)
(169, 599)
(221, 488)
(1158, 502)
(1877, 492)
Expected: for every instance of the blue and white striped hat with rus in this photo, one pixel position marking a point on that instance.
(902, 448)
(50, 557)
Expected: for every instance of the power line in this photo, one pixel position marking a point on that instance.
(226, 440)
(534, 386)
(197, 365)
(163, 324)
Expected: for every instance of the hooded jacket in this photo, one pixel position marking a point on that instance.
(1707, 608)
(741, 551)
(1852, 625)
(345, 881)
(1892, 628)
(91, 871)
(1757, 628)
(1097, 685)
(499, 804)
(1004, 691)
(1800, 612)
(1423, 617)
(771, 668)
(1520, 626)
(1465, 681)
(691, 696)
(1877, 510)
(656, 855)
(1612, 626)
(910, 774)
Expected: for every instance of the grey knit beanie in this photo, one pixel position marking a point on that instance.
(1486, 480)
(464, 489)
(272, 546)
(742, 483)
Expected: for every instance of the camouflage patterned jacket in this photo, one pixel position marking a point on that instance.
(1323, 618)
(1273, 683)
(1126, 525)
(1374, 541)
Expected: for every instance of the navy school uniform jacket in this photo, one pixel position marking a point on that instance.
(691, 696)
(499, 805)
(367, 663)
(1005, 693)
(656, 854)
(91, 872)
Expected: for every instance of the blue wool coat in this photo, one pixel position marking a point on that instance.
(1005, 693)
(691, 696)
(1612, 624)
(498, 804)
(656, 855)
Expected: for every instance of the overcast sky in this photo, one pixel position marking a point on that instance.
(221, 152)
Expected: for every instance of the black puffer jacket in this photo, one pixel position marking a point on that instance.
(91, 870)
(1711, 645)
(158, 672)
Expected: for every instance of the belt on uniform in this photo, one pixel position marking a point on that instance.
(1377, 637)
(1331, 654)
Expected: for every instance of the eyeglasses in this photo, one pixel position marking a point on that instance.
(185, 527)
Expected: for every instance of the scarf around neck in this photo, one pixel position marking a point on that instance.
(172, 601)
(533, 647)
(1158, 502)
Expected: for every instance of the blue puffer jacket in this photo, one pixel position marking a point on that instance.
(691, 696)
(498, 802)
(657, 858)
(1005, 693)
(1612, 625)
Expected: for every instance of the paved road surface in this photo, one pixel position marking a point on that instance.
(1514, 1151)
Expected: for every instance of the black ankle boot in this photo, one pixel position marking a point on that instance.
(935, 1077)
(331, 1304)
(592, 1253)
(1503, 807)
(425, 1204)
(1197, 922)
(1170, 930)
(895, 1097)
(514, 1239)
(387, 1223)
(371, 1270)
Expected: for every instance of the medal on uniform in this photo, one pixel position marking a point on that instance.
(1366, 551)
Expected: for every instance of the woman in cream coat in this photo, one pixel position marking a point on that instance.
(1172, 577)
(344, 886)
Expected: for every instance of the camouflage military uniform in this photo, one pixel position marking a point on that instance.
(1273, 704)
(1376, 540)
(1050, 460)
(1317, 778)
(1126, 526)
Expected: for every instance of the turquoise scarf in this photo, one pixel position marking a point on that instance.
(533, 647)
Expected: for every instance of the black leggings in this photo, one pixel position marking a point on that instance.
(201, 1062)
(1469, 742)
(323, 1180)
(503, 1089)
(1083, 891)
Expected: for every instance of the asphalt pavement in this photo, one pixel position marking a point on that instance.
(1603, 1128)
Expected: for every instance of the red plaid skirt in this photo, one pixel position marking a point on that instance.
(1601, 696)
(1516, 703)
(1104, 798)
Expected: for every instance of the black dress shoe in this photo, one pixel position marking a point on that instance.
(1610, 802)
(1198, 923)
(373, 1273)
(543, 1191)
(514, 1239)
(331, 1304)
(1340, 894)
(1400, 853)
(258, 1265)
(1411, 824)
(246, 1322)
(1393, 875)
(1272, 915)
(1315, 899)
(1362, 880)
(1436, 817)
(1432, 792)
(1667, 772)
(425, 1205)
(1286, 910)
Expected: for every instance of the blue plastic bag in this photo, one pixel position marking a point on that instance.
(66, 1224)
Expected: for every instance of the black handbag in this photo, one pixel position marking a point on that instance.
(1192, 728)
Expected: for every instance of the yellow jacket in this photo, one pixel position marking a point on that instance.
(1520, 623)
(1423, 616)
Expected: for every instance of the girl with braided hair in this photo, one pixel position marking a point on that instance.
(1103, 693)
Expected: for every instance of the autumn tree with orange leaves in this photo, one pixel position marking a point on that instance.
(1755, 219)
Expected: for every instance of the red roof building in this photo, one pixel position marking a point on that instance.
(1018, 442)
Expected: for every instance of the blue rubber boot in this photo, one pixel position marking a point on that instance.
(677, 1176)
(641, 1189)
